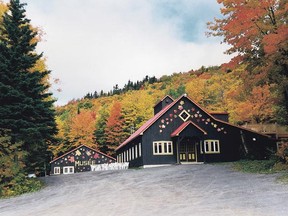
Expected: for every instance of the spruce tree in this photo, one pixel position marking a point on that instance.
(26, 105)
(99, 133)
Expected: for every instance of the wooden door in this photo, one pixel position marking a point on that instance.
(187, 151)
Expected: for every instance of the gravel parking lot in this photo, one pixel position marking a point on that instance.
(174, 190)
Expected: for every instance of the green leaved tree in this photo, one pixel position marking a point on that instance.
(26, 105)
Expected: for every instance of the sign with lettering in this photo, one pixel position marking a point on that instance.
(81, 158)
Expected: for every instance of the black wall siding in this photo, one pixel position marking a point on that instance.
(229, 136)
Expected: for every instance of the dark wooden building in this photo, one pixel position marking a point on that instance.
(181, 131)
(79, 159)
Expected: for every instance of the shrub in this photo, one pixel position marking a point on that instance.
(254, 166)
(20, 185)
(282, 152)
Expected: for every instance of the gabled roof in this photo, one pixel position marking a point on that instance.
(185, 125)
(151, 121)
(146, 125)
(80, 147)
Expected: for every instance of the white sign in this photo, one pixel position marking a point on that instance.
(110, 166)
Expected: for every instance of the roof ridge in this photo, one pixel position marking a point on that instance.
(183, 126)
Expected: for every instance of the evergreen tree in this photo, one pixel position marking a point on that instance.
(26, 105)
(99, 133)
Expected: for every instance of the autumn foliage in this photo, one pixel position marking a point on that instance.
(257, 33)
(114, 129)
(82, 128)
(251, 87)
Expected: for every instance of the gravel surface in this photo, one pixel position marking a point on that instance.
(174, 190)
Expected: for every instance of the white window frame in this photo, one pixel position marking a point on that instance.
(160, 149)
(132, 153)
(210, 147)
(69, 171)
(140, 150)
(57, 170)
(136, 151)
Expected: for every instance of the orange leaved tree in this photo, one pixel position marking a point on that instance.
(114, 129)
(258, 34)
(82, 128)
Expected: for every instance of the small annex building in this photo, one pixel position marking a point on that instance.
(79, 159)
(181, 131)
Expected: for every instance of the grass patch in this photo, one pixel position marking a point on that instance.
(283, 178)
(27, 185)
(263, 167)
(255, 166)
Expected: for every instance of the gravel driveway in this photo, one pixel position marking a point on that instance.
(174, 190)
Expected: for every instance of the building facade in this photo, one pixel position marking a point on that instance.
(79, 159)
(181, 131)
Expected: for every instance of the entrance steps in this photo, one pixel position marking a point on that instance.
(194, 163)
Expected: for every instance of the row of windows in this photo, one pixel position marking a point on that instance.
(166, 148)
(132, 153)
(210, 147)
(66, 170)
(163, 148)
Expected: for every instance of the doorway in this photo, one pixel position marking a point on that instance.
(187, 150)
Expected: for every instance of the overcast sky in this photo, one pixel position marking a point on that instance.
(94, 44)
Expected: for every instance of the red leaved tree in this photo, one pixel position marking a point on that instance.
(258, 34)
(114, 129)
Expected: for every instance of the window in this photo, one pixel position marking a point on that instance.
(211, 147)
(57, 170)
(184, 115)
(136, 151)
(163, 148)
(140, 150)
(132, 154)
(68, 170)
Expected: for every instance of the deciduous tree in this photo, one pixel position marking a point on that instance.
(114, 128)
(258, 34)
(82, 128)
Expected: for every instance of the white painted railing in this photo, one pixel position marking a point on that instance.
(110, 166)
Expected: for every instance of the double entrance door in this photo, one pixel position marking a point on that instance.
(187, 150)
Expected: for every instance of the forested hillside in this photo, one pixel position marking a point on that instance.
(105, 121)
(252, 88)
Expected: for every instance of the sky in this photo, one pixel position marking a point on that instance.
(92, 45)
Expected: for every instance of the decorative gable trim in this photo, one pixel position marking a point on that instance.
(75, 149)
(185, 125)
(151, 121)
